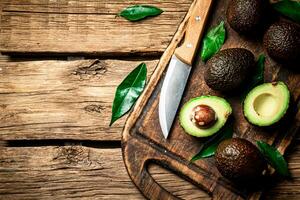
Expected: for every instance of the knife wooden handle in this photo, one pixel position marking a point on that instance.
(194, 31)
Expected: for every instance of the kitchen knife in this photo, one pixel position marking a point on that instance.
(180, 66)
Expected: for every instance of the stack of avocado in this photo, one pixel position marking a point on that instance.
(228, 72)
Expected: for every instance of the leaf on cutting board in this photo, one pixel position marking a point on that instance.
(213, 41)
(211, 146)
(257, 78)
(274, 158)
(288, 8)
(138, 12)
(128, 92)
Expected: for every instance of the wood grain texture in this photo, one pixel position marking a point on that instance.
(61, 99)
(86, 27)
(143, 141)
(76, 172)
(80, 172)
(89, 173)
(64, 172)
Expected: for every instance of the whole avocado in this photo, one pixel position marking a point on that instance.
(246, 16)
(228, 69)
(282, 41)
(239, 160)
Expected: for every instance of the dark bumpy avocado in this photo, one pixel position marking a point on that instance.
(267, 103)
(204, 116)
(239, 160)
(228, 69)
(246, 16)
(282, 41)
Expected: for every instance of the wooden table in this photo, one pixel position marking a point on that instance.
(55, 109)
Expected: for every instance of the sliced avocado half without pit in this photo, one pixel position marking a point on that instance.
(267, 103)
(204, 116)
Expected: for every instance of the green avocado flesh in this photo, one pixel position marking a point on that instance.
(266, 104)
(221, 107)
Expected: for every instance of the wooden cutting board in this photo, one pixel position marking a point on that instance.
(143, 142)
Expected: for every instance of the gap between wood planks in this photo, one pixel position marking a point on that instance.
(61, 57)
(58, 142)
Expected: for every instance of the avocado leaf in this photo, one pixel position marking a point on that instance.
(128, 92)
(210, 147)
(288, 8)
(213, 41)
(274, 158)
(138, 12)
(258, 76)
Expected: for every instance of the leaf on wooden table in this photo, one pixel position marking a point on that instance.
(288, 8)
(128, 92)
(213, 41)
(274, 158)
(211, 146)
(138, 12)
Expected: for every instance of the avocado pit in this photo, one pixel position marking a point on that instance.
(204, 116)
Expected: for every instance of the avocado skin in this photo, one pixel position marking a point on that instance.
(228, 69)
(282, 41)
(246, 16)
(239, 160)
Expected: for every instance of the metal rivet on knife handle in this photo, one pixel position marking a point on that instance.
(194, 31)
(189, 45)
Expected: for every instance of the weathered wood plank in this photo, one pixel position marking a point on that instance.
(61, 99)
(64, 172)
(89, 6)
(90, 173)
(86, 27)
(76, 172)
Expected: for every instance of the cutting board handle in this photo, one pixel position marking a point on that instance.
(140, 154)
(195, 28)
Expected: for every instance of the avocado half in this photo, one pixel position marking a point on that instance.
(219, 105)
(267, 103)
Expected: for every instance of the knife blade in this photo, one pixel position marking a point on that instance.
(171, 92)
(180, 66)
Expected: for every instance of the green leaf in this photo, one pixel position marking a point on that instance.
(213, 41)
(289, 9)
(274, 158)
(258, 76)
(138, 12)
(210, 147)
(128, 92)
